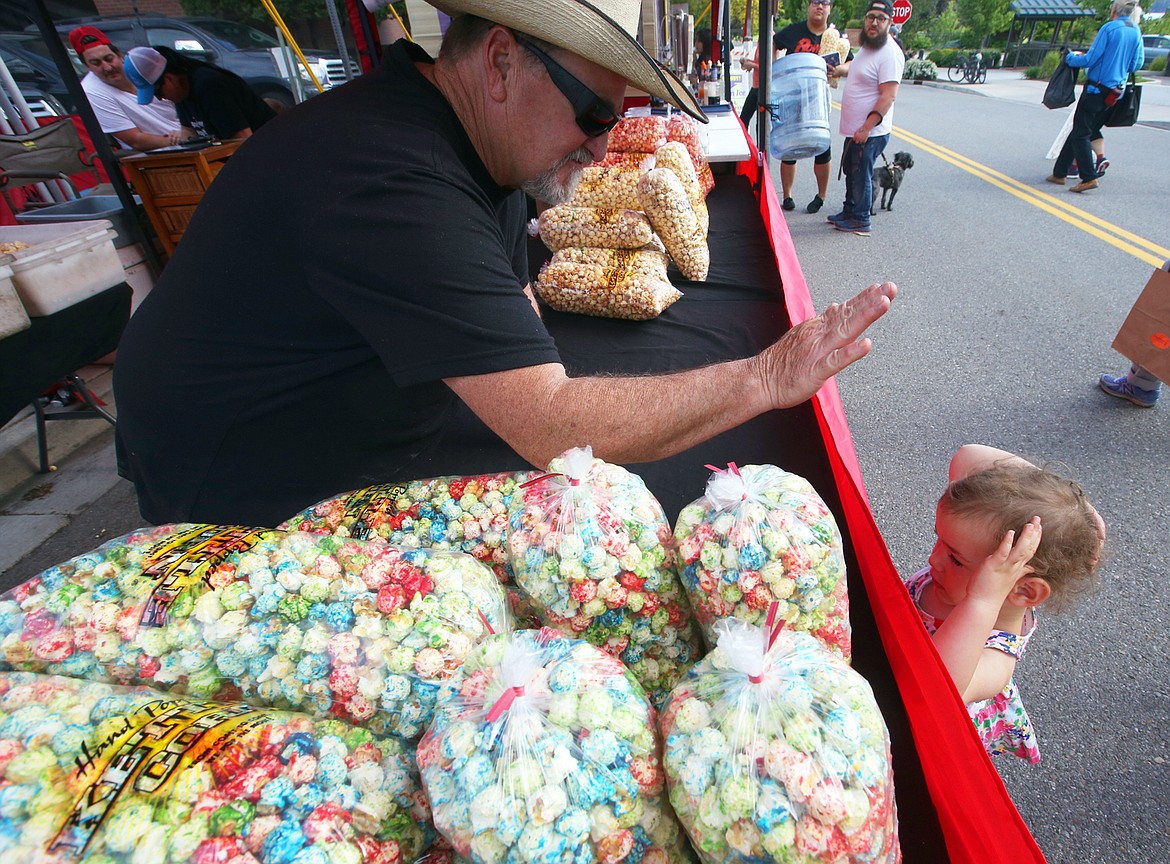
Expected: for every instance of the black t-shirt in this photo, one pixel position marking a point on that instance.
(220, 104)
(797, 38)
(350, 256)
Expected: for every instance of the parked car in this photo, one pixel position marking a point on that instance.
(1155, 45)
(241, 49)
(27, 58)
(41, 104)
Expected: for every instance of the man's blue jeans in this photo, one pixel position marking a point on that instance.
(857, 166)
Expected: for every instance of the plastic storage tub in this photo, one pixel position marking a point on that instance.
(86, 209)
(65, 263)
(13, 317)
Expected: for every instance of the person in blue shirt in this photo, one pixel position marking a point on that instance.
(1115, 53)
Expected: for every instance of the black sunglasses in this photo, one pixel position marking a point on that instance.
(594, 115)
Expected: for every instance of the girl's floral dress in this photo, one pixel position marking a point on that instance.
(1001, 721)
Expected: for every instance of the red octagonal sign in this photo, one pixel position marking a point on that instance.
(902, 10)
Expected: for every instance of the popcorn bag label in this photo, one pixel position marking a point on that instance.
(144, 754)
(186, 560)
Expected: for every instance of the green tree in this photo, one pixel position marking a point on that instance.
(984, 18)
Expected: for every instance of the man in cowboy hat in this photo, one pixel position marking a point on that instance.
(349, 305)
(115, 100)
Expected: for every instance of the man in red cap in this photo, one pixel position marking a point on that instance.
(115, 100)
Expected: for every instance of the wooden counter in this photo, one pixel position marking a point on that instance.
(172, 184)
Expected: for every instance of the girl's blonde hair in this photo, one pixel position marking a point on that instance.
(1007, 495)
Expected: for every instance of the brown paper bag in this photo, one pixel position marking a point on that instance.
(1145, 336)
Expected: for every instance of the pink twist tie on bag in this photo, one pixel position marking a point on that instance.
(504, 702)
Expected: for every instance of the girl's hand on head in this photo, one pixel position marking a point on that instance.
(1004, 567)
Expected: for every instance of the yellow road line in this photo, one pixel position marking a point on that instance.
(1141, 248)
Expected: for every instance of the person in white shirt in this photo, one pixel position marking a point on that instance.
(115, 100)
(867, 113)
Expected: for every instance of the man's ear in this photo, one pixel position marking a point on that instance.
(501, 58)
(1030, 591)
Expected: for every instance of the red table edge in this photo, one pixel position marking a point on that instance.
(979, 821)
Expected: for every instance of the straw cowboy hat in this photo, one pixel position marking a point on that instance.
(602, 31)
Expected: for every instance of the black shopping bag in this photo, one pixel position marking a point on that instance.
(1125, 110)
(1061, 89)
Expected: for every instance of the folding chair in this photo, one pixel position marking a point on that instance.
(49, 153)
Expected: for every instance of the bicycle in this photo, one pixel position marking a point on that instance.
(970, 69)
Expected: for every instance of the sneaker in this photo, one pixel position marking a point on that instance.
(1084, 186)
(788, 204)
(1102, 164)
(1119, 386)
(816, 204)
(837, 217)
(853, 226)
(1073, 170)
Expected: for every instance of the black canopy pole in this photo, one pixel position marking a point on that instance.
(765, 73)
(44, 21)
(726, 58)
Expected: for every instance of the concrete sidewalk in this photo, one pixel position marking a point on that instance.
(1010, 84)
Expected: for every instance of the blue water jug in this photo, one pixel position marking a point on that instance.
(800, 120)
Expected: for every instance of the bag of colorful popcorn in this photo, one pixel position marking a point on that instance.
(607, 283)
(760, 534)
(592, 549)
(113, 774)
(548, 754)
(638, 134)
(464, 513)
(330, 626)
(775, 751)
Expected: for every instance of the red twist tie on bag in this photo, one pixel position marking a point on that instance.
(573, 481)
(504, 703)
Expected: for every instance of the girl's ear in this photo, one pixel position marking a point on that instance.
(1030, 591)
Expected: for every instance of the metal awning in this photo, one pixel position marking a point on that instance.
(1050, 10)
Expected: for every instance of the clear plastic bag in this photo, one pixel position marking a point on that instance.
(367, 632)
(463, 513)
(638, 134)
(759, 534)
(665, 202)
(683, 129)
(607, 283)
(129, 775)
(592, 549)
(674, 155)
(608, 186)
(594, 226)
(548, 754)
(775, 751)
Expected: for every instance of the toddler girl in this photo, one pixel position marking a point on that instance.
(1011, 537)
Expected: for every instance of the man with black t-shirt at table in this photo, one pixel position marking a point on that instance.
(804, 37)
(353, 290)
(214, 102)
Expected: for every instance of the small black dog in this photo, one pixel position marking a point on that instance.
(888, 178)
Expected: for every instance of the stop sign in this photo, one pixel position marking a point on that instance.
(902, 10)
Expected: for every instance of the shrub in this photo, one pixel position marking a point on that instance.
(1032, 73)
(920, 70)
(943, 57)
(1158, 65)
(1048, 64)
